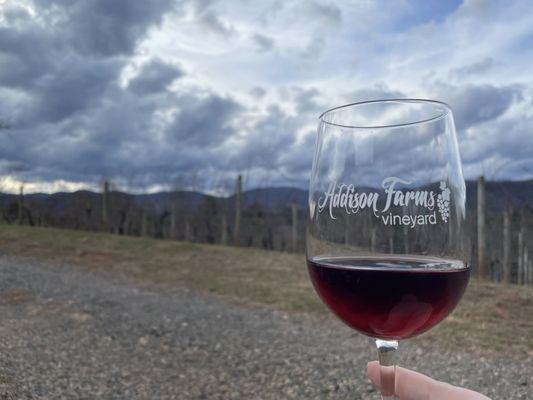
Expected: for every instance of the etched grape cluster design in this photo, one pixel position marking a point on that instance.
(443, 202)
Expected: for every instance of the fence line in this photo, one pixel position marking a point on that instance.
(500, 251)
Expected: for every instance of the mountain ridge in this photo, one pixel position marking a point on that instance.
(500, 194)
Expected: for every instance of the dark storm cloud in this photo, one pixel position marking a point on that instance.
(106, 28)
(122, 139)
(71, 120)
(268, 139)
(496, 155)
(76, 85)
(191, 144)
(299, 157)
(59, 83)
(204, 121)
(155, 77)
(474, 104)
(116, 139)
(51, 60)
(26, 54)
(510, 145)
(471, 104)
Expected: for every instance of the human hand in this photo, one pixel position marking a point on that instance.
(410, 385)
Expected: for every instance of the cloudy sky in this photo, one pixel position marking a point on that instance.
(158, 94)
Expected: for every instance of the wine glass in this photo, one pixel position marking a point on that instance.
(386, 239)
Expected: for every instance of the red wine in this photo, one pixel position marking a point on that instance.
(389, 298)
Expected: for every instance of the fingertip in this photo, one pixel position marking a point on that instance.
(372, 370)
(411, 384)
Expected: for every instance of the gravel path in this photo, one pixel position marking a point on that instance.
(68, 333)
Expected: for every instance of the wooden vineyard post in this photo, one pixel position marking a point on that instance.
(187, 231)
(520, 272)
(346, 233)
(20, 209)
(373, 239)
(144, 223)
(173, 218)
(224, 229)
(105, 201)
(406, 239)
(506, 247)
(294, 212)
(525, 279)
(238, 212)
(481, 249)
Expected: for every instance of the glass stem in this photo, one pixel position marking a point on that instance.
(387, 360)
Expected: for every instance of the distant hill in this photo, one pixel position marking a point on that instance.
(499, 195)
(275, 197)
(164, 200)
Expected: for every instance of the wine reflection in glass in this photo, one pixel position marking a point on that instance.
(386, 240)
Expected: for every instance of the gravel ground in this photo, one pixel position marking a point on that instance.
(68, 333)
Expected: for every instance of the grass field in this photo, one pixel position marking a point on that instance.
(490, 318)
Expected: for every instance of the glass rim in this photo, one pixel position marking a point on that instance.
(447, 111)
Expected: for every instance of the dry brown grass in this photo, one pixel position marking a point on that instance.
(15, 296)
(490, 317)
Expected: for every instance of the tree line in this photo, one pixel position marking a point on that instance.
(500, 251)
(204, 219)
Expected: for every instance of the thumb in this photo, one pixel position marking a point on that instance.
(410, 385)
